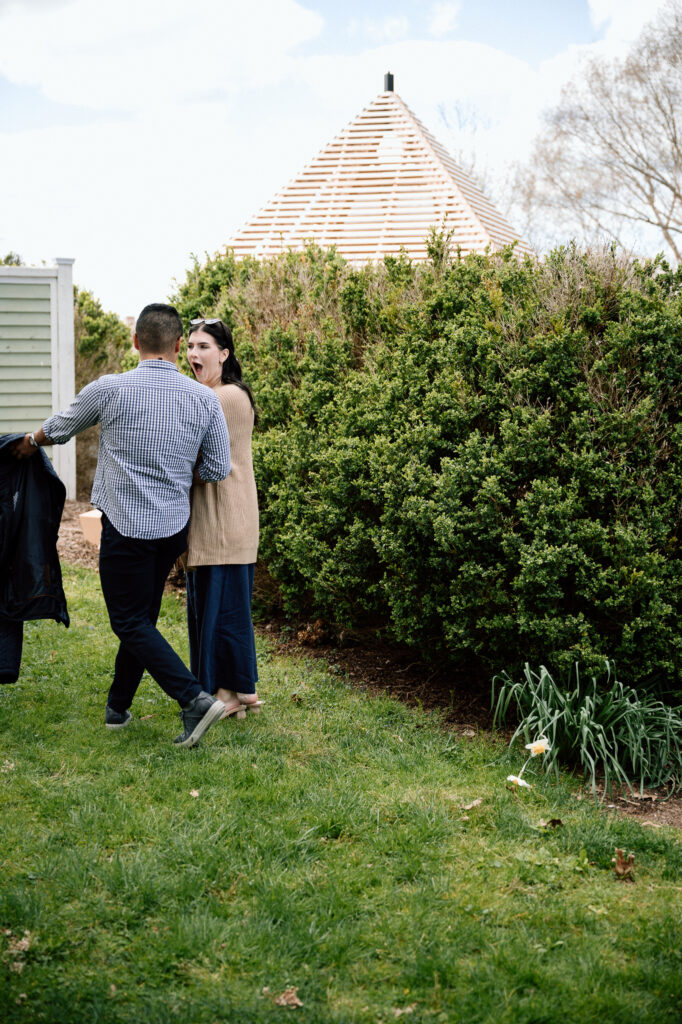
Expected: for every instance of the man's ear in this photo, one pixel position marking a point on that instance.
(136, 343)
(178, 343)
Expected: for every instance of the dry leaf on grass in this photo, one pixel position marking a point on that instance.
(474, 803)
(194, 792)
(288, 998)
(398, 1012)
(21, 945)
(313, 634)
(16, 946)
(624, 867)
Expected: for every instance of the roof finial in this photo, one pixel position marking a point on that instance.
(388, 82)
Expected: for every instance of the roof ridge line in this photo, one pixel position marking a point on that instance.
(433, 143)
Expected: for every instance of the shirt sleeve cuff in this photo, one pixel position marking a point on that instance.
(52, 432)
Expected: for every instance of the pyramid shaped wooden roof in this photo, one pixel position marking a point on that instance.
(377, 188)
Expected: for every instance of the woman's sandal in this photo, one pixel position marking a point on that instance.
(250, 702)
(233, 705)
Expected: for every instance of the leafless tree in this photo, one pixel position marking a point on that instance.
(465, 125)
(609, 160)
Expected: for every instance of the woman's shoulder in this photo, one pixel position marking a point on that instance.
(231, 396)
(230, 392)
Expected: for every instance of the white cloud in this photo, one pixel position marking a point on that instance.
(131, 199)
(622, 20)
(137, 54)
(5, 4)
(380, 30)
(443, 18)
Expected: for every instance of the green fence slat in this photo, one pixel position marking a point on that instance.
(25, 319)
(15, 290)
(16, 334)
(22, 401)
(24, 370)
(39, 386)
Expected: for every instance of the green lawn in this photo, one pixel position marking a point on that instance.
(320, 846)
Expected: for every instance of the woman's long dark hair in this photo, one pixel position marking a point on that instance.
(231, 369)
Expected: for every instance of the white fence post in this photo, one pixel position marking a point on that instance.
(63, 379)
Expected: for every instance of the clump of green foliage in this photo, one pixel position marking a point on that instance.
(597, 724)
(102, 345)
(102, 340)
(480, 456)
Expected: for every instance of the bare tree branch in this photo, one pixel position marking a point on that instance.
(609, 159)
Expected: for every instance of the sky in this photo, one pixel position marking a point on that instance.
(134, 133)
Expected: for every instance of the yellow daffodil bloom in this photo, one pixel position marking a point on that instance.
(540, 746)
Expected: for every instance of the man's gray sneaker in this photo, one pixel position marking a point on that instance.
(198, 716)
(116, 719)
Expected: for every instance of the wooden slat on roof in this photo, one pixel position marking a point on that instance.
(377, 188)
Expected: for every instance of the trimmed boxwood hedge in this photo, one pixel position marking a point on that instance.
(478, 456)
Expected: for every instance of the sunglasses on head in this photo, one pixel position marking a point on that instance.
(203, 320)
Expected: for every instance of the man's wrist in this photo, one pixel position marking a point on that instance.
(40, 438)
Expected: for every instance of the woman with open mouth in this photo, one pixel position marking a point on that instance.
(223, 535)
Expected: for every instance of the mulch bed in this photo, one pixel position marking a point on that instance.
(380, 667)
(72, 546)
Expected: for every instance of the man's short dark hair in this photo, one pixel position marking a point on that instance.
(158, 328)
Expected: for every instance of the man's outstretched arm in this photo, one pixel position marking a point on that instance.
(83, 412)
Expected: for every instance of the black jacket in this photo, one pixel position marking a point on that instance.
(31, 505)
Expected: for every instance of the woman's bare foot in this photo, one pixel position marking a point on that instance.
(233, 705)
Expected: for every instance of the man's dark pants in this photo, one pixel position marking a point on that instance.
(133, 573)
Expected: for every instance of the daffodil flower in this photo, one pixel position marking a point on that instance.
(540, 746)
(518, 781)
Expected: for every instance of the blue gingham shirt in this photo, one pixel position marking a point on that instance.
(154, 423)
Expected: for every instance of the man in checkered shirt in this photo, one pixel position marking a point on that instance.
(155, 424)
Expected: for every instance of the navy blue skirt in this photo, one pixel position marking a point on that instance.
(222, 649)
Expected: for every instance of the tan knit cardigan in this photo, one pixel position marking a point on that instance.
(223, 525)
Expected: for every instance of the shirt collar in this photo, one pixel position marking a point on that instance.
(157, 362)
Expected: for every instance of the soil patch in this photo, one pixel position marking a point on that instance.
(72, 545)
(380, 667)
